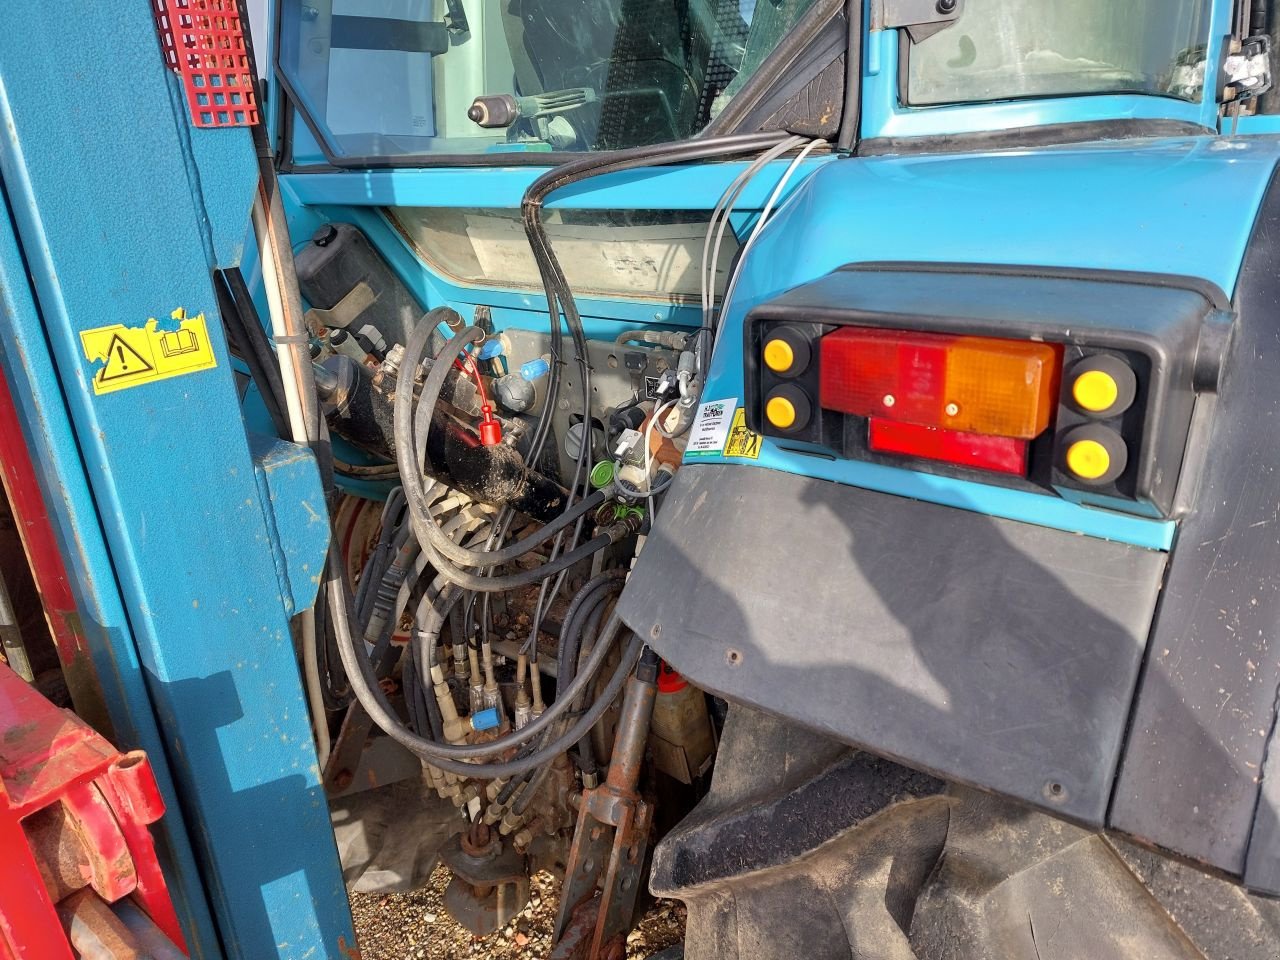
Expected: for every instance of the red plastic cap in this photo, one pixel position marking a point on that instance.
(668, 680)
(490, 428)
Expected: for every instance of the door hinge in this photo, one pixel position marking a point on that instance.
(1246, 69)
(920, 18)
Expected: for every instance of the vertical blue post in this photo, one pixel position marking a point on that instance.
(120, 211)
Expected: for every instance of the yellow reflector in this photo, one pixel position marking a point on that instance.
(781, 412)
(1088, 459)
(778, 356)
(1095, 391)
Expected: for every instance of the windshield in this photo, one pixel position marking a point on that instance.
(1009, 49)
(386, 78)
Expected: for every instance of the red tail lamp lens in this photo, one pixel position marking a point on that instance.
(978, 385)
(998, 454)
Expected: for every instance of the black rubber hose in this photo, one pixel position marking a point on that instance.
(536, 780)
(442, 756)
(411, 436)
(583, 619)
(256, 333)
(570, 628)
(259, 370)
(436, 543)
(381, 625)
(335, 692)
(512, 581)
(586, 752)
(391, 544)
(648, 156)
(511, 786)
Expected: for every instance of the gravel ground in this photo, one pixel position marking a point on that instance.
(410, 925)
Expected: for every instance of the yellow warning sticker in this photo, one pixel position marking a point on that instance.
(742, 442)
(132, 356)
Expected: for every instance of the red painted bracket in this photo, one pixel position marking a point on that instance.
(64, 788)
(204, 44)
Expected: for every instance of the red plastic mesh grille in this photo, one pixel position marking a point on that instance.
(204, 43)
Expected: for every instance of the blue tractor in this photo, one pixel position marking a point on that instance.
(817, 460)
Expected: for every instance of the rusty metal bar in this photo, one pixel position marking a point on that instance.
(11, 637)
(95, 932)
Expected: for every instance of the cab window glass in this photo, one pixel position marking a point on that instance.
(1009, 49)
(400, 78)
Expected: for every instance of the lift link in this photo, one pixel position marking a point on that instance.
(603, 874)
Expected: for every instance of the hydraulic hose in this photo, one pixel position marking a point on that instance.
(443, 552)
(411, 436)
(371, 696)
(565, 696)
(584, 610)
(262, 369)
(570, 630)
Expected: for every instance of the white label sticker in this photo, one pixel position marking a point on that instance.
(711, 426)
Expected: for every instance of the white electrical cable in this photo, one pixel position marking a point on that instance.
(759, 227)
(298, 427)
(721, 214)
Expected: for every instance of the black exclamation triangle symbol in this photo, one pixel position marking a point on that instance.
(123, 361)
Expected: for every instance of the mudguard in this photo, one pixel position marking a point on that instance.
(991, 652)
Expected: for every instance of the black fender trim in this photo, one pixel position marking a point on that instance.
(1199, 775)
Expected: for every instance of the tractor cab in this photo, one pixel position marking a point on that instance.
(813, 460)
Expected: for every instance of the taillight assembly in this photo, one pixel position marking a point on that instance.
(1050, 380)
(971, 401)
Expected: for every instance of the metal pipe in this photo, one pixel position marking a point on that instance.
(633, 726)
(15, 651)
(149, 936)
(284, 304)
(511, 650)
(95, 932)
(60, 855)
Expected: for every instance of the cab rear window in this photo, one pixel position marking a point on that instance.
(405, 78)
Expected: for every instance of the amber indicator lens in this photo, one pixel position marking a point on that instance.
(978, 385)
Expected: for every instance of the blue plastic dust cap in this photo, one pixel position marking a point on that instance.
(489, 349)
(533, 369)
(485, 719)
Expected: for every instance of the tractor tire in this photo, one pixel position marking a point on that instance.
(805, 848)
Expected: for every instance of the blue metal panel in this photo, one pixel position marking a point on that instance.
(696, 187)
(1176, 206)
(883, 114)
(292, 500)
(102, 192)
(111, 657)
